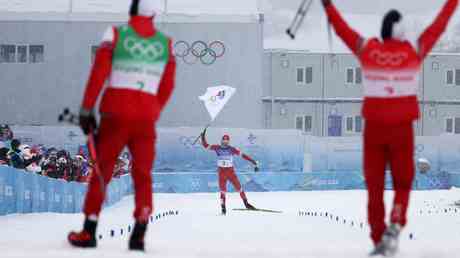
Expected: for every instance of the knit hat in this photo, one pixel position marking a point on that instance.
(390, 28)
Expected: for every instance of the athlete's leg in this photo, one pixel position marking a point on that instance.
(375, 156)
(142, 148)
(403, 171)
(111, 138)
(222, 175)
(236, 184)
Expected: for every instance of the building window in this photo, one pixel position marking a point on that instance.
(308, 123)
(452, 125)
(299, 123)
(22, 54)
(354, 75)
(349, 125)
(450, 77)
(457, 125)
(358, 124)
(7, 53)
(359, 75)
(304, 123)
(305, 75)
(354, 124)
(457, 77)
(308, 75)
(449, 125)
(36, 54)
(453, 77)
(350, 75)
(299, 75)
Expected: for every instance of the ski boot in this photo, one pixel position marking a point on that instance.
(86, 238)
(249, 206)
(389, 245)
(136, 242)
(224, 209)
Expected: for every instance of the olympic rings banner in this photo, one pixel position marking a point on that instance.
(206, 53)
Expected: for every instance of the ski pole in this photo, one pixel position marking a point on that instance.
(299, 18)
(197, 138)
(68, 117)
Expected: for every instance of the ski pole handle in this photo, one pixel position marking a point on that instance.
(198, 138)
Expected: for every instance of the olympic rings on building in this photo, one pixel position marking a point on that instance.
(199, 50)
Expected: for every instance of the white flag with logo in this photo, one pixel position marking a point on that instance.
(215, 99)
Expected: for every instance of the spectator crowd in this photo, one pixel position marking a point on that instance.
(51, 162)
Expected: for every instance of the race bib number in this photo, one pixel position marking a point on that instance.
(225, 163)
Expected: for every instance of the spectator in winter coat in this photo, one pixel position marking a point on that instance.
(14, 155)
(4, 161)
(120, 168)
(49, 166)
(79, 169)
(31, 159)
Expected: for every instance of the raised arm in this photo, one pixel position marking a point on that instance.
(205, 143)
(352, 39)
(431, 35)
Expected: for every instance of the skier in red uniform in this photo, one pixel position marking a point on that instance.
(137, 61)
(226, 171)
(391, 67)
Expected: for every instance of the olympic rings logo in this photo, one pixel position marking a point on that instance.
(188, 142)
(199, 50)
(388, 58)
(142, 49)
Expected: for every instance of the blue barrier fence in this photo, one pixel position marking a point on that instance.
(23, 192)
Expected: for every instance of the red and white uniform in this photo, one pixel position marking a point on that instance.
(128, 118)
(225, 168)
(391, 71)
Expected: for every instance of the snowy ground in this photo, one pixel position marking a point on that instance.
(198, 230)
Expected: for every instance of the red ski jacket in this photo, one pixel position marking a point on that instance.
(128, 103)
(391, 68)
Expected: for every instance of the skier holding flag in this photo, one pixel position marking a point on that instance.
(391, 67)
(138, 62)
(215, 99)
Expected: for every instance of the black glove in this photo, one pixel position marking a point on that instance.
(256, 169)
(326, 2)
(87, 121)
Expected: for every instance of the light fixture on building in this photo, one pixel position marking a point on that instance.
(283, 109)
(334, 111)
(285, 63)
